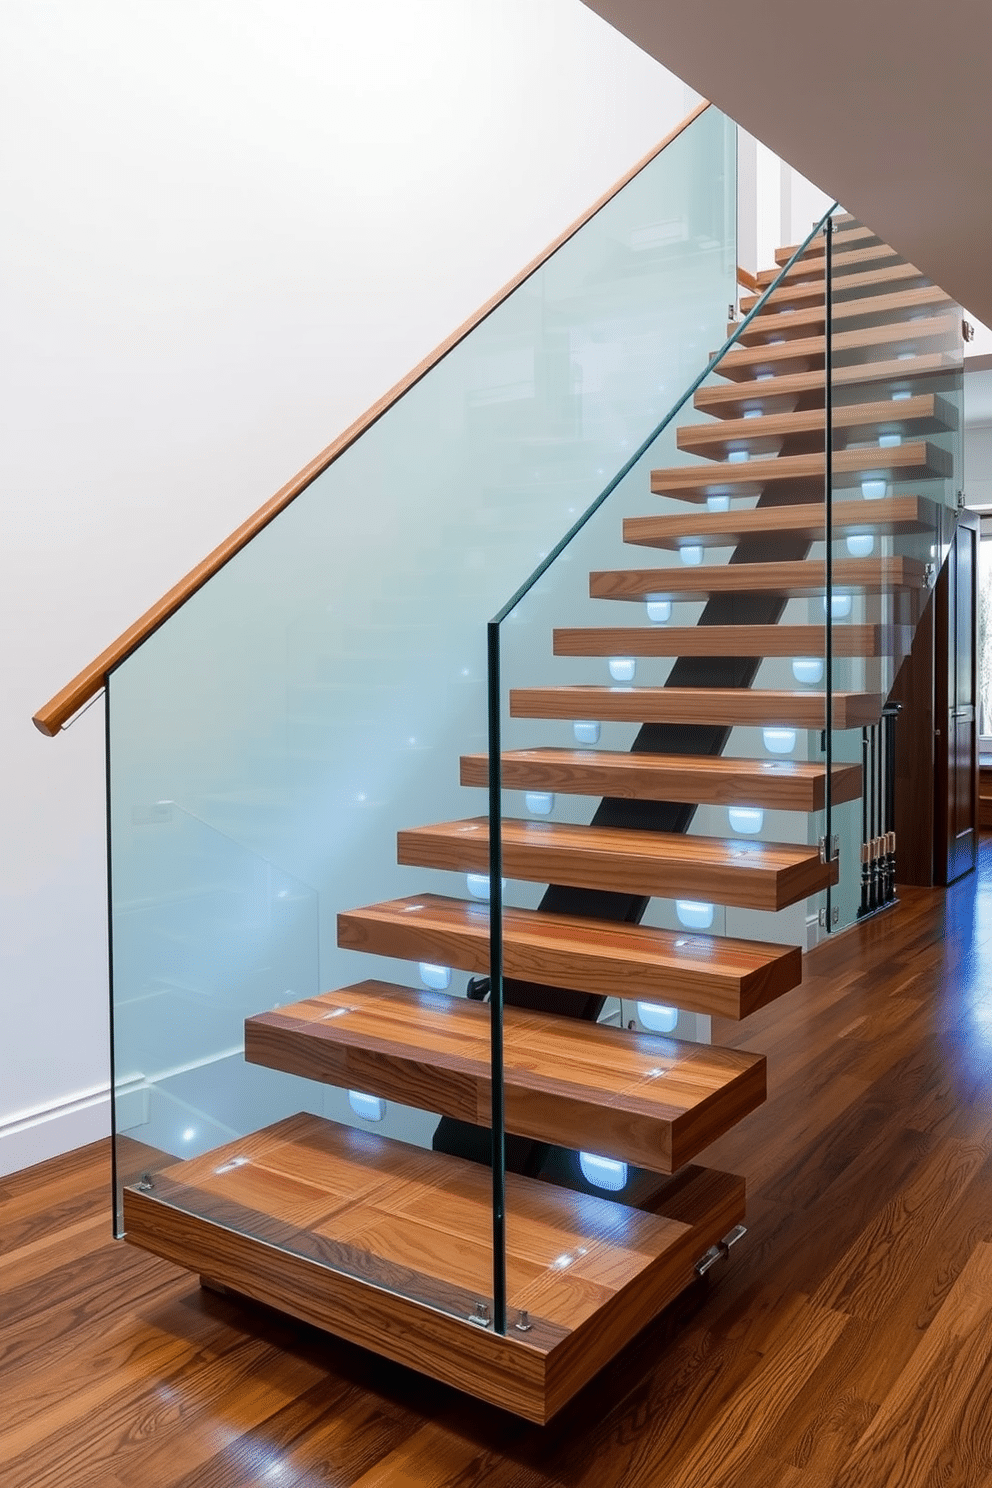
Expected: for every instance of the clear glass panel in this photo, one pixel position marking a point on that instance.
(313, 699)
(896, 441)
(660, 716)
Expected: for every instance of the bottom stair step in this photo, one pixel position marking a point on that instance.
(654, 1102)
(390, 1247)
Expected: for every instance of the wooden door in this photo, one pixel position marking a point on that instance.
(956, 714)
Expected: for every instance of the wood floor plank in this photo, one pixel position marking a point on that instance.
(915, 460)
(942, 1399)
(726, 706)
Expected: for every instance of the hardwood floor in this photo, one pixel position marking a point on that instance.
(845, 1344)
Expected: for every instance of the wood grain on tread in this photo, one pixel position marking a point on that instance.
(395, 1253)
(925, 413)
(812, 267)
(787, 356)
(731, 640)
(747, 873)
(642, 1099)
(782, 393)
(724, 706)
(917, 460)
(800, 293)
(799, 579)
(702, 973)
(785, 785)
(845, 237)
(710, 529)
(801, 321)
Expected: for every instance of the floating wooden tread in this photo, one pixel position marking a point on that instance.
(726, 707)
(917, 460)
(799, 293)
(741, 362)
(801, 321)
(926, 413)
(650, 1101)
(732, 640)
(390, 1247)
(782, 393)
(798, 579)
(810, 267)
(844, 238)
(720, 780)
(708, 529)
(747, 873)
(702, 973)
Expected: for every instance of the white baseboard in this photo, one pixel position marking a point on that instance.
(33, 1136)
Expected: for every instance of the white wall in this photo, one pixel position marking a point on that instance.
(229, 225)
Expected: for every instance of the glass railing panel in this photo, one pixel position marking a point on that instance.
(660, 716)
(896, 380)
(312, 700)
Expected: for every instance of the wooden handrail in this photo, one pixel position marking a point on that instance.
(747, 280)
(65, 704)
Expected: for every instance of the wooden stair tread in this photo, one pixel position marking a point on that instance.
(844, 237)
(781, 393)
(801, 578)
(701, 973)
(724, 706)
(731, 640)
(741, 361)
(720, 780)
(799, 321)
(803, 292)
(926, 413)
(741, 871)
(890, 515)
(651, 1101)
(916, 460)
(390, 1246)
(812, 267)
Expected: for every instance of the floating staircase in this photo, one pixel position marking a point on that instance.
(390, 1245)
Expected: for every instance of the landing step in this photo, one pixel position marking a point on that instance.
(390, 1247)
(798, 579)
(702, 973)
(812, 267)
(918, 460)
(807, 353)
(910, 417)
(725, 707)
(782, 393)
(813, 317)
(650, 1101)
(709, 529)
(746, 873)
(732, 640)
(783, 785)
(793, 293)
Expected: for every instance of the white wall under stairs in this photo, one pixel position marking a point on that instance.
(228, 228)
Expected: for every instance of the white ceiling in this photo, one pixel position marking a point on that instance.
(884, 104)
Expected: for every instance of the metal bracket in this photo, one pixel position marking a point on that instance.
(930, 575)
(480, 1317)
(144, 1183)
(523, 1322)
(720, 1250)
(732, 312)
(834, 917)
(834, 848)
(967, 330)
(960, 498)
